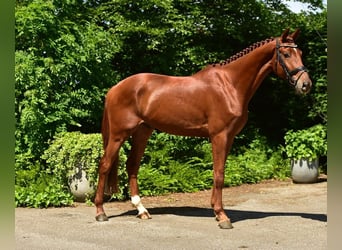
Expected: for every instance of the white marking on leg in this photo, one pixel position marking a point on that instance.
(136, 201)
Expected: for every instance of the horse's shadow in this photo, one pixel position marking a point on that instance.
(235, 215)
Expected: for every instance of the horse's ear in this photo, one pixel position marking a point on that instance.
(284, 35)
(295, 34)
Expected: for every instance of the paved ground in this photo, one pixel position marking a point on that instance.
(270, 215)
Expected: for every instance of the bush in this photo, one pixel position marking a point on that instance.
(71, 150)
(175, 164)
(39, 186)
(162, 172)
(36, 188)
(174, 177)
(42, 195)
(306, 143)
(258, 162)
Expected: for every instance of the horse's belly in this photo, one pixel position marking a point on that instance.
(183, 127)
(197, 132)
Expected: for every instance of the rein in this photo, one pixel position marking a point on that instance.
(289, 73)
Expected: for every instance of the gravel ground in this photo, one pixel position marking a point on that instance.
(269, 215)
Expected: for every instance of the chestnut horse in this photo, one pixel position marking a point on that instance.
(211, 103)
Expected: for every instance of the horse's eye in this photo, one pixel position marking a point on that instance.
(287, 55)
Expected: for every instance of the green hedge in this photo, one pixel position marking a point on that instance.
(170, 164)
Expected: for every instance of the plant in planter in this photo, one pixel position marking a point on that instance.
(73, 159)
(304, 148)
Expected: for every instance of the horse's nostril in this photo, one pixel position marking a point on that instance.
(306, 86)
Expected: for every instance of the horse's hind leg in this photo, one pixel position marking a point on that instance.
(139, 142)
(107, 163)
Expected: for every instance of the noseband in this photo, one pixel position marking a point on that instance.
(289, 73)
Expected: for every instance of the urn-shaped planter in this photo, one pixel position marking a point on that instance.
(80, 186)
(304, 170)
(304, 147)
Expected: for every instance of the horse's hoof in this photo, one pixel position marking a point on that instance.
(144, 216)
(226, 224)
(101, 217)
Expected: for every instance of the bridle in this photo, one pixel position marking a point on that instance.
(289, 73)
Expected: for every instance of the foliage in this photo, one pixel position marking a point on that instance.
(170, 165)
(164, 167)
(317, 57)
(35, 188)
(68, 53)
(275, 108)
(161, 172)
(62, 63)
(69, 151)
(257, 162)
(306, 143)
(34, 196)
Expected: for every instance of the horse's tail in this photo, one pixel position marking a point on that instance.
(105, 128)
(112, 183)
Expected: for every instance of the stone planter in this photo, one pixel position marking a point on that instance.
(304, 171)
(80, 186)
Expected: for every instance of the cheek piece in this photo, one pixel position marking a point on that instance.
(288, 73)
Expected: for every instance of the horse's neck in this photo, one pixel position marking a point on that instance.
(247, 72)
(263, 72)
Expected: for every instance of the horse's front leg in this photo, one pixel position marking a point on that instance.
(221, 144)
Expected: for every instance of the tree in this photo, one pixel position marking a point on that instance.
(62, 67)
(69, 52)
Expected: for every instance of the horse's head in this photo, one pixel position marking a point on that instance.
(287, 62)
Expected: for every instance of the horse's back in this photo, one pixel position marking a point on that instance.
(144, 86)
(167, 103)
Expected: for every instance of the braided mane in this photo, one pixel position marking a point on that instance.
(244, 52)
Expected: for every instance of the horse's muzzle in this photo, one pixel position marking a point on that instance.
(306, 87)
(303, 83)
